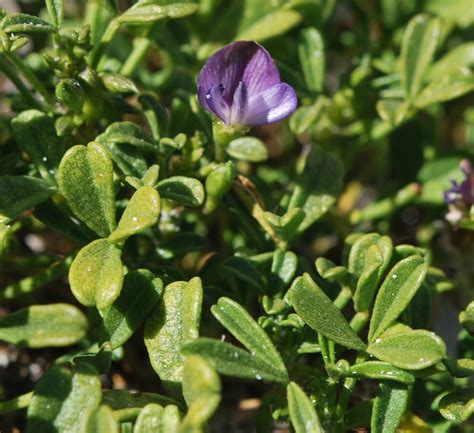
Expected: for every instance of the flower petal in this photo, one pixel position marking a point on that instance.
(239, 105)
(271, 105)
(216, 103)
(244, 61)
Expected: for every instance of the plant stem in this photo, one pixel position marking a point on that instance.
(12, 75)
(30, 77)
(140, 47)
(343, 298)
(108, 35)
(16, 403)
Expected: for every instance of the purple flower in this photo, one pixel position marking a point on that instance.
(241, 85)
(463, 191)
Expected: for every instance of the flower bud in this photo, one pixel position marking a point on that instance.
(218, 182)
(70, 93)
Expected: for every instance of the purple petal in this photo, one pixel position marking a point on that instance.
(239, 105)
(217, 104)
(271, 105)
(244, 61)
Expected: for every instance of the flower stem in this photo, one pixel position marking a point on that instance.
(343, 298)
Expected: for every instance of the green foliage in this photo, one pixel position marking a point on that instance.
(134, 223)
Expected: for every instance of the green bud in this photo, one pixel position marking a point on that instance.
(218, 182)
(4, 42)
(117, 83)
(70, 93)
(18, 43)
(64, 125)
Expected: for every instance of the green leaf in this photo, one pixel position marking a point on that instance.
(85, 177)
(317, 310)
(96, 274)
(149, 12)
(117, 83)
(284, 265)
(466, 318)
(70, 93)
(317, 187)
(175, 320)
(458, 406)
(418, 47)
(56, 11)
(100, 360)
(306, 117)
(380, 370)
(141, 212)
(247, 149)
(369, 258)
(460, 367)
(35, 134)
(44, 326)
(61, 398)
(119, 399)
(243, 269)
(233, 361)
(392, 111)
(461, 56)
(156, 115)
(24, 23)
(99, 420)
(244, 328)
(409, 349)
(396, 292)
(149, 419)
(389, 407)
(272, 24)
(140, 293)
(435, 177)
(185, 190)
(303, 416)
(201, 389)
(21, 193)
(311, 55)
(457, 83)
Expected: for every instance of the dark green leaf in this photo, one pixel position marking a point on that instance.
(21, 193)
(396, 292)
(56, 11)
(247, 149)
(457, 406)
(303, 416)
(311, 55)
(389, 407)
(317, 310)
(60, 399)
(185, 190)
(24, 23)
(139, 295)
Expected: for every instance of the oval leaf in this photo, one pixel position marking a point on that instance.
(149, 419)
(147, 12)
(96, 274)
(380, 370)
(141, 212)
(317, 310)
(233, 361)
(247, 149)
(458, 406)
(411, 350)
(86, 180)
(99, 421)
(175, 319)
(44, 326)
(243, 327)
(60, 399)
(24, 23)
(396, 292)
(185, 190)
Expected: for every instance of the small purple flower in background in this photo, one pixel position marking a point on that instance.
(241, 85)
(460, 197)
